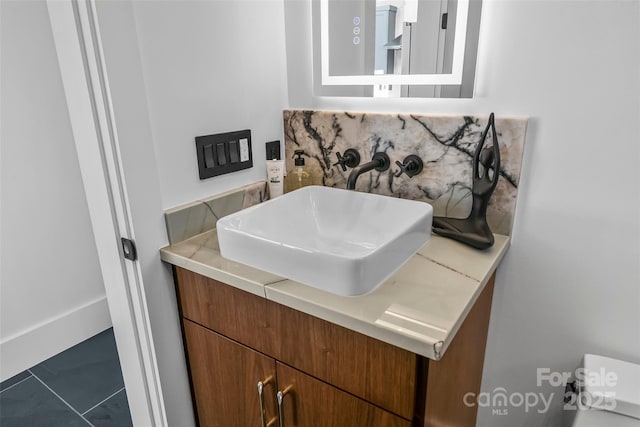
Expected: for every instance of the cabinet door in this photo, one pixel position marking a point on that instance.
(373, 370)
(309, 402)
(234, 313)
(224, 378)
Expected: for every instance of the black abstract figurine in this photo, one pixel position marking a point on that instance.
(474, 230)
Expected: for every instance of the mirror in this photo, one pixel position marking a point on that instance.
(395, 48)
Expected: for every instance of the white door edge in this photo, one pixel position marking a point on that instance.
(79, 49)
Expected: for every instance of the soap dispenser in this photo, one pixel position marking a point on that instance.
(300, 176)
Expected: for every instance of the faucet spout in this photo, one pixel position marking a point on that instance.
(379, 162)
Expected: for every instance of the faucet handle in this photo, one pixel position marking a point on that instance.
(351, 159)
(412, 166)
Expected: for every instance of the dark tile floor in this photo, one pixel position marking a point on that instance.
(80, 386)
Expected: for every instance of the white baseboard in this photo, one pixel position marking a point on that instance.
(38, 343)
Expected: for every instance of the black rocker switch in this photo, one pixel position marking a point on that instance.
(209, 161)
(222, 156)
(234, 152)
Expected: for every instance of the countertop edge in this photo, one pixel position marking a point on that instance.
(212, 273)
(426, 346)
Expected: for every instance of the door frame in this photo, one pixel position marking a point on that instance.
(81, 59)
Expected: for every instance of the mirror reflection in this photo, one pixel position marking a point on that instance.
(395, 48)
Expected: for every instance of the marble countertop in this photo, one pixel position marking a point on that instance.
(420, 308)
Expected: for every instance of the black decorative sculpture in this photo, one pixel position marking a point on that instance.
(474, 230)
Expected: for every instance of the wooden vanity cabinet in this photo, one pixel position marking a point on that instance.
(330, 376)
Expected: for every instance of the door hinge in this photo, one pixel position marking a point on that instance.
(129, 249)
(445, 16)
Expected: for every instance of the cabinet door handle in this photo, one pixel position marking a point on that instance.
(280, 398)
(261, 385)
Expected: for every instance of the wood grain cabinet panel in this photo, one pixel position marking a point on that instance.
(224, 378)
(309, 402)
(234, 313)
(381, 373)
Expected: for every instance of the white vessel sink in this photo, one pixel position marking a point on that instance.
(340, 241)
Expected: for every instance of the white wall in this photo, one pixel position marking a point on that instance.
(570, 283)
(210, 67)
(178, 70)
(52, 295)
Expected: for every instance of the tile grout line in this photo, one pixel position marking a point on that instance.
(101, 402)
(19, 382)
(59, 397)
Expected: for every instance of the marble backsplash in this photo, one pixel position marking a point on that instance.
(186, 221)
(444, 143)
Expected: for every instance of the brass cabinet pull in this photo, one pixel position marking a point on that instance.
(261, 384)
(280, 398)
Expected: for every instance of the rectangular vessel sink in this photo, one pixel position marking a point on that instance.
(340, 241)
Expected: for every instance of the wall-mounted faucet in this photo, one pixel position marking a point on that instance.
(412, 166)
(379, 162)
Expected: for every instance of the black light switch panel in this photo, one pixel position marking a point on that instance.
(223, 153)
